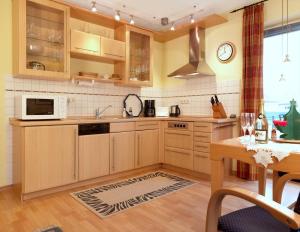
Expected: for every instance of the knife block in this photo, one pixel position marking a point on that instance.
(218, 111)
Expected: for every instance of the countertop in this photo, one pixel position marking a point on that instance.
(116, 119)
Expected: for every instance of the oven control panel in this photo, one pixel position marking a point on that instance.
(178, 125)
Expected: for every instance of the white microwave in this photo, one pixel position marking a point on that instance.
(38, 107)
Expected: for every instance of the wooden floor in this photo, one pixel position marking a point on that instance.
(182, 211)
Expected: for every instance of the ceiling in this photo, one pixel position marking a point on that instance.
(147, 13)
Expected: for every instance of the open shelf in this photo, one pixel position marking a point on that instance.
(96, 79)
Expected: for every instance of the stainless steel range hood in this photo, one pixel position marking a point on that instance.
(197, 66)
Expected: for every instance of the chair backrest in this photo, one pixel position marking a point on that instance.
(297, 205)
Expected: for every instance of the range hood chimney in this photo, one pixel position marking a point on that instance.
(197, 65)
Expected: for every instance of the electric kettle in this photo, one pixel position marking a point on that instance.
(174, 111)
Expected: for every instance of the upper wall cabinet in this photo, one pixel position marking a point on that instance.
(137, 70)
(90, 46)
(86, 43)
(41, 39)
(112, 49)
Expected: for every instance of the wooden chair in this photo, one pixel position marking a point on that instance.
(266, 216)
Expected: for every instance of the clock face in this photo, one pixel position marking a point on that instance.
(225, 52)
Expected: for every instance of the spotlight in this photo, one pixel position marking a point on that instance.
(117, 16)
(131, 20)
(172, 27)
(192, 20)
(94, 8)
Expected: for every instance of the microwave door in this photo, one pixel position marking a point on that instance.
(40, 108)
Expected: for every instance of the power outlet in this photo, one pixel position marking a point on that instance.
(185, 101)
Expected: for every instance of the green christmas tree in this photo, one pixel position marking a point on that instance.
(292, 130)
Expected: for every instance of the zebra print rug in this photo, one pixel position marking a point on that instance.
(110, 199)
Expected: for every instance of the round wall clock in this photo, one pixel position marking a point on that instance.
(226, 52)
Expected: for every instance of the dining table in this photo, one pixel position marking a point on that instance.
(234, 149)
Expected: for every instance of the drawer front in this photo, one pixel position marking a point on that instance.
(179, 157)
(179, 139)
(202, 137)
(202, 162)
(200, 146)
(147, 125)
(122, 127)
(203, 126)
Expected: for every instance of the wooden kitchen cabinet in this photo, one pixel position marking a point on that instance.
(112, 49)
(41, 39)
(93, 156)
(85, 43)
(122, 151)
(49, 157)
(137, 70)
(147, 148)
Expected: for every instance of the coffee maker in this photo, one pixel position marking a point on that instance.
(149, 108)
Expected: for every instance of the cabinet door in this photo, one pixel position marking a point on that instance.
(86, 43)
(121, 151)
(41, 39)
(147, 147)
(93, 156)
(179, 157)
(113, 49)
(50, 157)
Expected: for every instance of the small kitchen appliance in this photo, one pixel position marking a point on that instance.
(162, 111)
(175, 111)
(38, 107)
(149, 108)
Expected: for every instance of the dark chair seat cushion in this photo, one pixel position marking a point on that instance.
(252, 219)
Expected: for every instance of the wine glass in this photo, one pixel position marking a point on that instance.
(250, 124)
(244, 123)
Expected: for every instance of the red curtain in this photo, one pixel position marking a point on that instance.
(252, 92)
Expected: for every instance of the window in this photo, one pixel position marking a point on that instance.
(281, 79)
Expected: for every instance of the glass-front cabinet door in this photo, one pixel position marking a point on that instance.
(140, 56)
(42, 39)
(137, 69)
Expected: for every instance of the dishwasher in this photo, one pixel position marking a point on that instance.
(93, 150)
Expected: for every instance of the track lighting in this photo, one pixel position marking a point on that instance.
(117, 16)
(192, 20)
(131, 20)
(172, 27)
(94, 8)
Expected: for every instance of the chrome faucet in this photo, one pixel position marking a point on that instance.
(99, 112)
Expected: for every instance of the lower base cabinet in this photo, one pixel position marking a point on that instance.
(179, 157)
(122, 151)
(201, 162)
(49, 157)
(93, 156)
(147, 148)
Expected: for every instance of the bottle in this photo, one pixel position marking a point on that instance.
(261, 126)
(124, 114)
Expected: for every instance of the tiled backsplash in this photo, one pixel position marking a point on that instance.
(193, 98)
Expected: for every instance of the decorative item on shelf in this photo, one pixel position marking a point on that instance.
(115, 76)
(290, 125)
(88, 74)
(217, 107)
(36, 65)
(133, 105)
(226, 52)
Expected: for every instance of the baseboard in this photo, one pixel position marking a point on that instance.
(192, 173)
(6, 187)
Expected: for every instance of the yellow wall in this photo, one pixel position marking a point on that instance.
(5, 68)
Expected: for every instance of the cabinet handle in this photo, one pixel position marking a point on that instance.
(113, 154)
(153, 124)
(76, 152)
(110, 54)
(174, 133)
(201, 156)
(138, 149)
(179, 152)
(85, 49)
(201, 136)
(201, 146)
